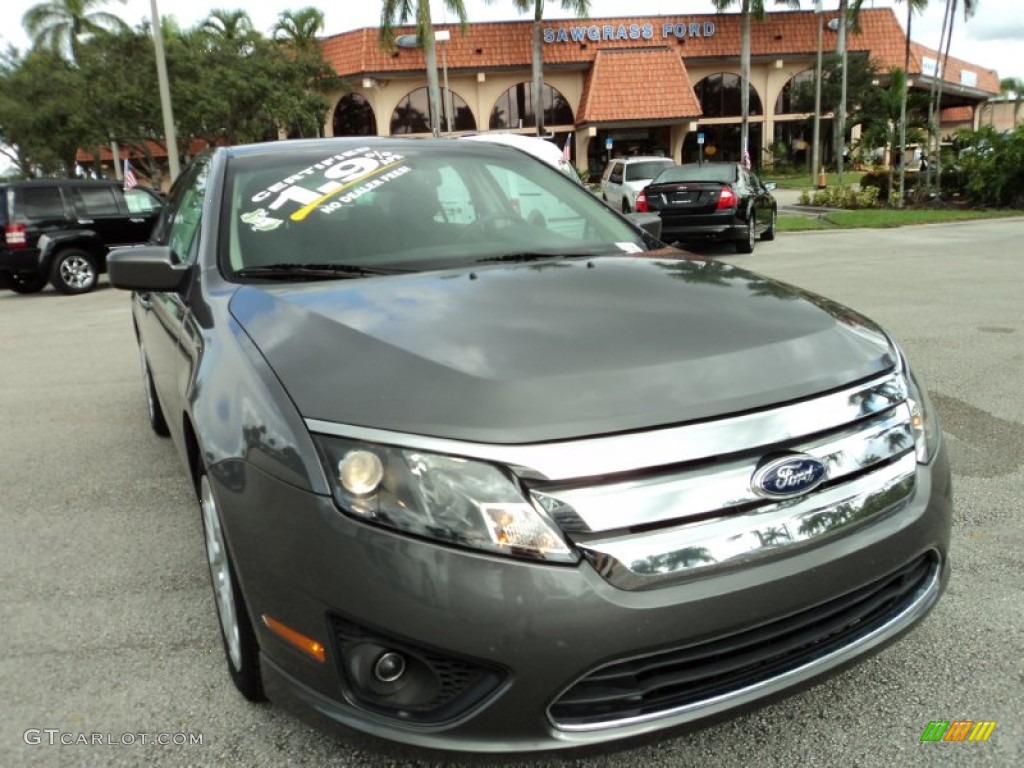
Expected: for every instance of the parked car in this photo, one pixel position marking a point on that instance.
(625, 177)
(59, 230)
(470, 483)
(721, 202)
(540, 148)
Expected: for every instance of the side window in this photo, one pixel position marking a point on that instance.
(42, 203)
(181, 225)
(94, 201)
(140, 201)
(616, 175)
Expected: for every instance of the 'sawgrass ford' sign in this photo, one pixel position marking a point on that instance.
(598, 32)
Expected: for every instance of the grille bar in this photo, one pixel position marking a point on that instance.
(664, 683)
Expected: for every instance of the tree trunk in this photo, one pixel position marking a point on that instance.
(938, 100)
(841, 117)
(903, 109)
(745, 79)
(538, 74)
(426, 32)
(933, 112)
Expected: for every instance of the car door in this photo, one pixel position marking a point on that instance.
(614, 183)
(98, 209)
(143, 209)
(162, 315)
(762, 202)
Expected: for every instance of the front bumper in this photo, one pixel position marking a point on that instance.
(544, 627)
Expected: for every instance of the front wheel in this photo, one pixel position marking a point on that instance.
(746, 245)
(240, 646)
(625, 204)
(74, 271)
(156, 412)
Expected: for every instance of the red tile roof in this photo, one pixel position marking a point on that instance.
(508, 44)
(957, 115)
(617, 76)
(156, 149)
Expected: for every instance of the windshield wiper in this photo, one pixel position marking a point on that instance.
(524, 256)
(306, 271)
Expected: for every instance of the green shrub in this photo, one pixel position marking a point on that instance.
(842, 197)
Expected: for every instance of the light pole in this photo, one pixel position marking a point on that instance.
(165, 93)
(816, 149)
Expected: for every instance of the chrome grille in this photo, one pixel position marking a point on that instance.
(655, 528)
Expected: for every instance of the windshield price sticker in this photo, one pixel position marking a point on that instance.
(339, 173)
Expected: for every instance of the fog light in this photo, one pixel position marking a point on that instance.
(389, 667)
(360, 472)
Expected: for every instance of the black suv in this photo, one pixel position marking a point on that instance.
(59, 230)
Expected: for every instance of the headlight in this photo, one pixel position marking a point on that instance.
(923, 420)
(454, 500)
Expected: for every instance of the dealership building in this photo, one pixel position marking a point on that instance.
(666, 85)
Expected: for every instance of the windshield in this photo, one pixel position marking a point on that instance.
(409, 205)
(724, 172)
(645, 170)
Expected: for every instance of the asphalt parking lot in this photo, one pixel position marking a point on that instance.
(107, 619)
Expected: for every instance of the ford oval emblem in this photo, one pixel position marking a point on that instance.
(788, 476)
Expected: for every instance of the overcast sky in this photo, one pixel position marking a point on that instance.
(993, 38)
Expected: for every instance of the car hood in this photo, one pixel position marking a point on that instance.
(547, 351)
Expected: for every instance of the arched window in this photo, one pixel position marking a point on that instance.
(719, 96)
(412, 115)
(354, 117)
(797, 95)
(516, 104)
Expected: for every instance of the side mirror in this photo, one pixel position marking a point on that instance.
(648, 222)
(145, 268)
(770, 186)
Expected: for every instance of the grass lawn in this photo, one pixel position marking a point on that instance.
(796, 223)
(883, 218)
(800, 182)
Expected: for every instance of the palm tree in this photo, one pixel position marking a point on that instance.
(580, 9)
(940, 76)
(61, 24)
(1014, 85)
(912, 6)
(397, 12)
(747, 7)
(233, 27)
(300, 27)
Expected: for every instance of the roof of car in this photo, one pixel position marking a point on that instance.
(349, 142)
(49, 182)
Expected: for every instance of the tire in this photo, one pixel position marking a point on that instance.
(625, 204)
(746, 245)
(73, 271)
(769, 234)
(27, 282)
(156, 411)
(241, 650)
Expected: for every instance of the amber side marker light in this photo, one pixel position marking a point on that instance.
(299, 640)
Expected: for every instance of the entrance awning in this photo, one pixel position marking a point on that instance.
(637, 85)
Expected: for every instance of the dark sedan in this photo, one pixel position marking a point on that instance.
(722, 202)
(473, 482)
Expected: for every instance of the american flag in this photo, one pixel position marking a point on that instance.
(567, 149)
(129, 176)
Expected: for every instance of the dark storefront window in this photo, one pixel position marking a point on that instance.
(412, 115)
(719, 96)
(797, 95)
(722, 144)
(354, 117)
(516, 104)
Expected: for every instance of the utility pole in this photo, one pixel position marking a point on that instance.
(165, 92)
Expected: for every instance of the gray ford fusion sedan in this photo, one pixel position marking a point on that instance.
(478, 480)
